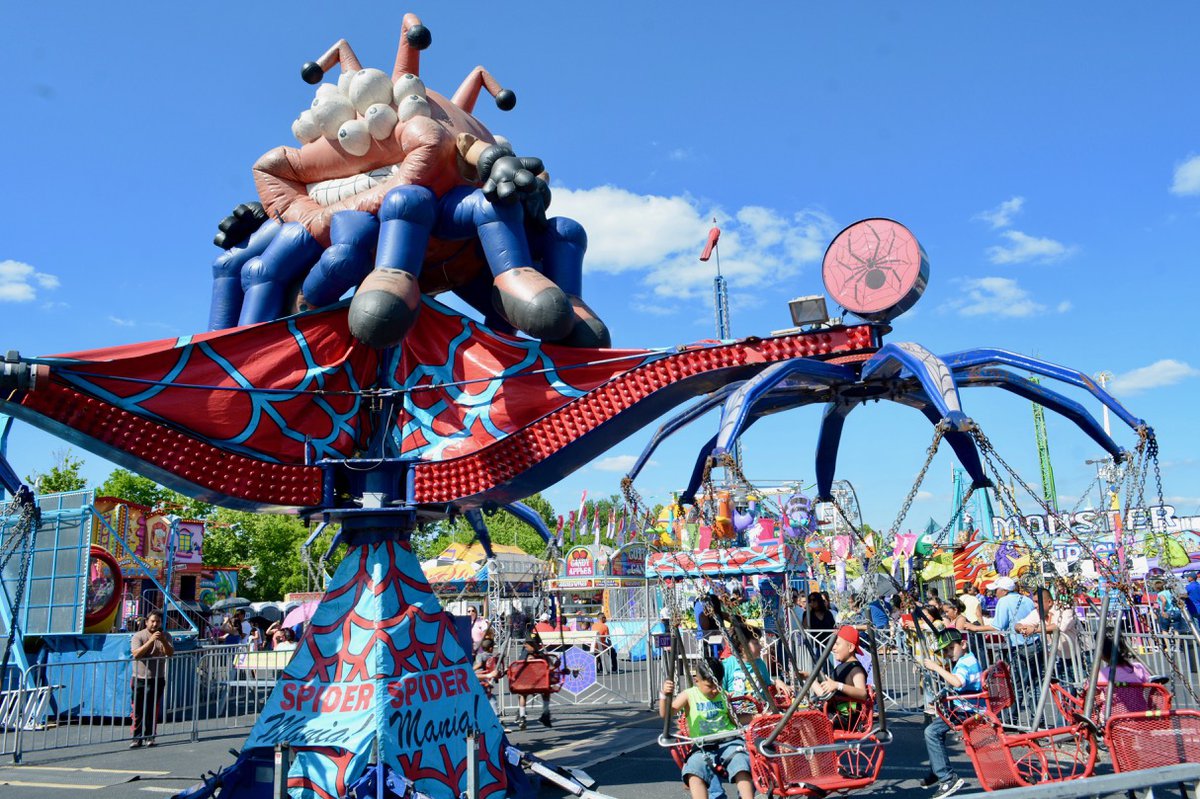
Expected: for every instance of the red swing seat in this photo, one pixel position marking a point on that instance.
(997, 696)
(817, 774)
(1128, 697)
(1153, 739)
(534, 676)
(1003, 760)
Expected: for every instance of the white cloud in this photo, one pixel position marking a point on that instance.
(1159, 374)
(1022, 247)
(1187, 177)
(17, 281)
(660, 239)
(1064, 306)
(119, 322)
(923, 496)
(680, 154)
(654, 309)
(1002, 214)
(994, 296)
(617, 463)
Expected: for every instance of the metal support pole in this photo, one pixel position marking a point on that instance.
(1112, 670)
(650, 694)
(472, 764)
(1051, 662)
(283, 762)
(1089, 700)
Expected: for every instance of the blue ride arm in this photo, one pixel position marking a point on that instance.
(970, 360)
(676, 422)
(688, 497)
(906, 359)
(474, 518)
(962, 444)
(530, 517)
(828, 440)
(735, 417)
(1052, 400)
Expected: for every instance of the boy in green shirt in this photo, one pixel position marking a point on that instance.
(707, 711)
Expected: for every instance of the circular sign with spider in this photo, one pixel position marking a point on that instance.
(875, 269)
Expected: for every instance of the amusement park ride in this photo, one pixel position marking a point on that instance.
(390, 410)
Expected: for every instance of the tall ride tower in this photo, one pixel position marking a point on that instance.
(1049, 492)
(720, 304)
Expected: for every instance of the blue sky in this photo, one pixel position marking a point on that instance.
(1046, 156)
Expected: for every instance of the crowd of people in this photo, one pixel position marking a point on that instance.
(953, 640)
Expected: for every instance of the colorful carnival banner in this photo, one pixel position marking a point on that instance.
(770, 559)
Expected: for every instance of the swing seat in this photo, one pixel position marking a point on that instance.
(997, 696)
(1153, 739)
(855, 764)
(1002, 760)
(533, 676)
(681, 751)
(1128, 697)
(860, 720)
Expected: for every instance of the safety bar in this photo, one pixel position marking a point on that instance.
(678, 740)
(871, 740)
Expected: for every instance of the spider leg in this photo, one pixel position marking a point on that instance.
(740, 404)
(1052, 400)
(906, 359)
(963, 363)
(679, 421)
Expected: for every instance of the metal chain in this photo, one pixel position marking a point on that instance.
(1121, 585)
(26, 528)
(939, 433)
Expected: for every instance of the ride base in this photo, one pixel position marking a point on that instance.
(379, 677)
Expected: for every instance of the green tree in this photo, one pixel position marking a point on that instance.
(64, 475)
(269, 547)
(504, 528)
(126, 485)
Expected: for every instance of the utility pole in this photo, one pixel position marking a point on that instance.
(1102, 378)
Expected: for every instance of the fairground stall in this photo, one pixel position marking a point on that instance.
(768, 569)
(602, 659)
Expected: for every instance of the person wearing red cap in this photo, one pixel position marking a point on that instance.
(848, 685)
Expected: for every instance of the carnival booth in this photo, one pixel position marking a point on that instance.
(598, 579)
(769, 567)
(464, 572)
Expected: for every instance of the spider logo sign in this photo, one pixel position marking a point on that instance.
(875, 269)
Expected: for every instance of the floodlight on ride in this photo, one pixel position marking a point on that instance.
(808, 310)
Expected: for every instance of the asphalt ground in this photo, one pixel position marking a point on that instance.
(617, 746)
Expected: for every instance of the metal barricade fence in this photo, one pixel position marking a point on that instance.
(213, 690)
(626, 673)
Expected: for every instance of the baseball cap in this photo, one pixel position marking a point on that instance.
(848, 633)
(543, 617)
(1005, 583)
(948, 637)
(665, 613)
